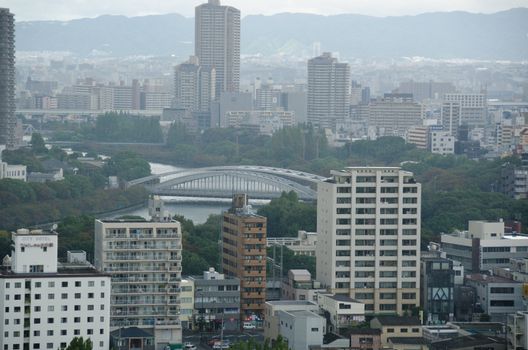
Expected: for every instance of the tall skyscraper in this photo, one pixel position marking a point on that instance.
(244, 255)
(194, 85)
(217, 43)
(328, 91)
(368, 244)
(7, 78)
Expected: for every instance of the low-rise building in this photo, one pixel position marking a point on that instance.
(264, 122)
(217, 301)
(418, 136)
(517, 330)
(408, 343)
(396, 327)
(441, 142)
(271, 311)
(45, 304)
(15, 172)
(340, 311)
(484, 245)
(303, 244)
(301, 329)
(498, 296)
(299, 285)
(470, 342)
(187, 303)
(437, 290)
(519, 270)
(365, 338)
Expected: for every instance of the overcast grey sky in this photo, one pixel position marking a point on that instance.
(70, 9)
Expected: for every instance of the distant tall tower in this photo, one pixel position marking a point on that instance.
(217, 43)
(7, 78)
(328, 91)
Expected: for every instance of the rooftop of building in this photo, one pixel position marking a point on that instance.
(63, 270)
(408, 340)
(480, 327)
(131, 332)
(483, 278)
(303, 313)
(341, 298)
(291, 302)
(27, 232)
(469, 341)
(364, 331)
(387, 320)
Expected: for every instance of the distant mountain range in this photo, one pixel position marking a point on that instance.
(443, 35)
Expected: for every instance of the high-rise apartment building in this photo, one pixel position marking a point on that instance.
(244, 256)
(368, 244)
(328, 91)
(217, 43)
(44, 303)
(144, 260)
(194, 85)
(7, 78)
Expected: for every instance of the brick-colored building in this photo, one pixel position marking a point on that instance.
(244, 256)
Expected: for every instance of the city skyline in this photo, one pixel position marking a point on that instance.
(27, 10)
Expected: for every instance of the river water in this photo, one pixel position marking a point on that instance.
(195, 209)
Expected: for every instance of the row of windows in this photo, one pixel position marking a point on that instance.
(372, 285)
(51, 320)
(372, 221)
(52, 308)
(51, 284)
(51, 296)
(50, 345)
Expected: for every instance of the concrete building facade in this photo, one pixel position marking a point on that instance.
(7, 79)
(368, 226)
(484, 246)
(244, 256)
(46, 304)
(498, 296)
(144, 259)
(328, 91)
(217, 43)
(216, 301)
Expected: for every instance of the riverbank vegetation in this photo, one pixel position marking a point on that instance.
(82, 191)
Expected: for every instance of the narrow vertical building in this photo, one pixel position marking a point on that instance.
(144, 260)
(244, 256)
(328, 91)
(7, 78)
(217, 43)
(194, 85)
(368, 244)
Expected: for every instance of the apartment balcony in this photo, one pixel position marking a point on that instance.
(252, 295)
(254, 262)
(252, 306)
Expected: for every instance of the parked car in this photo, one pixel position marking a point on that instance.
(249, 325)
(189, 346)
(220, 345)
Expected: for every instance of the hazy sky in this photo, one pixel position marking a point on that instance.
(69, 9)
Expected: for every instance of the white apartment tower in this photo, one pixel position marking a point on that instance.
(328, 91)
(45, 304)
(144, 260)
(368, 245)
(194, 85)
(217, 43)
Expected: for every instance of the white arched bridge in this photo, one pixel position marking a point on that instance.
(258, 182)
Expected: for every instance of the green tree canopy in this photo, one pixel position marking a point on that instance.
(80, 344)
